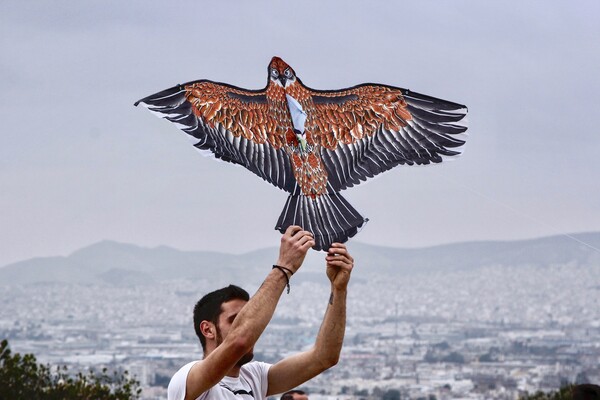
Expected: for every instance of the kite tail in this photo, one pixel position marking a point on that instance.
(329, 217)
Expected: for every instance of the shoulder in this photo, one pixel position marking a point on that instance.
(176, 390)
(255, 368)
(257, 375)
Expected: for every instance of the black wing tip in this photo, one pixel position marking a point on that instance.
(177, 88)
(448, 105)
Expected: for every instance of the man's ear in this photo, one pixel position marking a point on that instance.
(208, 329)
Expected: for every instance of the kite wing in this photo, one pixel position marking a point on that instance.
(369, 129)
(232, 123)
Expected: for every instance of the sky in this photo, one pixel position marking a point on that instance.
(80, 164)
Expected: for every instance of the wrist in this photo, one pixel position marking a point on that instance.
(337, 295)
(286, 264)
(287, 273)
(339, 289)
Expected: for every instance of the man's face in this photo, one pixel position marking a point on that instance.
(230, 310)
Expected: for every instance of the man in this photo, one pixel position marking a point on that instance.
(228, 325)
(294, 395)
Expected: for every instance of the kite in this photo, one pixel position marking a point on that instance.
(314, 143)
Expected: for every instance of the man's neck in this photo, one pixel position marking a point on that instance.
(233, 372)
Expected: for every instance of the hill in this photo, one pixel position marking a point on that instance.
(126, 264)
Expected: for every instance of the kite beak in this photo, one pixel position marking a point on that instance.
(282, 79)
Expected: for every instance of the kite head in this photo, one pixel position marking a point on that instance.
(280, 73)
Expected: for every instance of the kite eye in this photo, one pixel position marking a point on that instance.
(274, 73)
(288, 73)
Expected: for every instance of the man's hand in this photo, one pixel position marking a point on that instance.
(339, 265)
(295, 243)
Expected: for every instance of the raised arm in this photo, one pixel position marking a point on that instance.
(299, 368)
(250, 322)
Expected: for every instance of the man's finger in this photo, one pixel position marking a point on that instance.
(343, 261)
(292, 230)
(302, 233)
(305, 238)
(339, 251)
(306, 246)
(337, 246)
(342, 264)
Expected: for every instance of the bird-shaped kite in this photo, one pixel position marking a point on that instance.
(314, 143)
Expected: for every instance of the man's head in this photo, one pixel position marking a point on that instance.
(210, 307)
(294, 395)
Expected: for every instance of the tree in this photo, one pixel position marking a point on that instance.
(454, 357)
(568, 392)
(562, 394)
(391, 394)
(23, 378)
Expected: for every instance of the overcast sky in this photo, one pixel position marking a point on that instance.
(79, 163)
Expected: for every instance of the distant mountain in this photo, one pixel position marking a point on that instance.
(125, 264)
(116, 263)
(575, 249)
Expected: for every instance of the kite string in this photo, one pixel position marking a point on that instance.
(514, 210)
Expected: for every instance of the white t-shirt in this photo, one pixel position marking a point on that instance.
(251, 384)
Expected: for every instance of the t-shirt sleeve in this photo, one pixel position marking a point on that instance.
(260, 371)
(176, 390)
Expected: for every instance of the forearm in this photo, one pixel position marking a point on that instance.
(330, 338)
(294, 370)
(254, 317)
(256, 314)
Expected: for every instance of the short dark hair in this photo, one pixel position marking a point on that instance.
(290, 395)
(208, 308)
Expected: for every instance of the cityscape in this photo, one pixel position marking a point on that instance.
(491, 332)
(113, 225)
